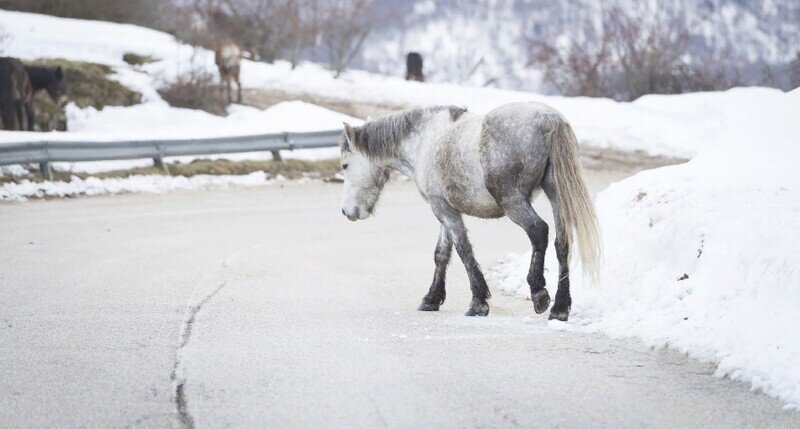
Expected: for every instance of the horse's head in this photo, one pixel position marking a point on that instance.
(364, 177)
(57, 87)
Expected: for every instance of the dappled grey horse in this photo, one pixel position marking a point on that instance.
(485, 166)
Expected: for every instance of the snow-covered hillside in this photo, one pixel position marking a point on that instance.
(703, 256)
(486, 42)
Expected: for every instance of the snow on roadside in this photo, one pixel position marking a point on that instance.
(152, 184)
(118, 123)
(703, 257)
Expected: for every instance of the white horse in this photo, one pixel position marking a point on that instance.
(485, 166)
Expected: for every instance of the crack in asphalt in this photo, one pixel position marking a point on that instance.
(178, 378)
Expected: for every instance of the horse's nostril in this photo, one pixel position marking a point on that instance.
(344, 213)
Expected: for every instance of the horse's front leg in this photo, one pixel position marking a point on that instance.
(451, 219)
(441, 256)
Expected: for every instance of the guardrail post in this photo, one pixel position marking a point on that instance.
(276, 154)
(44, 167)
(158, 162)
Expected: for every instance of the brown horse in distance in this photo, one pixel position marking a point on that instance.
(228, 57)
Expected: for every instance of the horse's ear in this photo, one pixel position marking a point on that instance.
(59, 73)
(349, 136)
(456, 112)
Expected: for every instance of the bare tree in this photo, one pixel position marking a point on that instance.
(269, 29)
(581, 67)
(632, 52)
(344, 28)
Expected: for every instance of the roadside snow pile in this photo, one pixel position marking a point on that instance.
(704, 256)
(152, 184)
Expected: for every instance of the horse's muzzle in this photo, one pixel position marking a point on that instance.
(354, 216)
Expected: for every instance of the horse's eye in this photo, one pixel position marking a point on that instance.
(344, 166)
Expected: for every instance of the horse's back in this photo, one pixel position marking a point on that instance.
(520, 126)
(515, 148)
(453, 170)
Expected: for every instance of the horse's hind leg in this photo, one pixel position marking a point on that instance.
(441, 256)
(518, 208)
(31, 116)
(238, 88)
(451, 220)
(563, 301)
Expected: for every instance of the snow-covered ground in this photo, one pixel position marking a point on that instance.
(704, 256)
(151, 184)
(677, 126)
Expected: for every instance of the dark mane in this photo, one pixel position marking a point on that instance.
(380, 138)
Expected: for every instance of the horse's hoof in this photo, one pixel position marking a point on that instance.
(428, 306)
(478, 309)
(541, 300)
(562, 315)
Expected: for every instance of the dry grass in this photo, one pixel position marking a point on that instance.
(289, 168)
(90, 84)
(137, 60)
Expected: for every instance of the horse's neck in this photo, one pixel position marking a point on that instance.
(38, 77)
(416, 146)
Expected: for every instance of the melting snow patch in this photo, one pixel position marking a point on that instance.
(153, 184)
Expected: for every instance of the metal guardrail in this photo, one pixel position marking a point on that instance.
(45, 152)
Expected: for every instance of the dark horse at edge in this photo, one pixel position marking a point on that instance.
(19, 83)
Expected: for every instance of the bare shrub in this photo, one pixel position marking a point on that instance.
(196, 88)
(582, 67)
(632, 52)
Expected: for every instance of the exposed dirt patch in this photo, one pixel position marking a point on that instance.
(137, 60)
(288, 168)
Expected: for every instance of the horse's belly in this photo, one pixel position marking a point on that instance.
(465, 184)
(473, 201)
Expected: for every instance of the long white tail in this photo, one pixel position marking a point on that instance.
(575, 204)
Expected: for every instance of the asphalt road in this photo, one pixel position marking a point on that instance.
(266, 308)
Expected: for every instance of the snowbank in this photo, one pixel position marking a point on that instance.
(152, 184)
(704, 256)
(675, 126)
